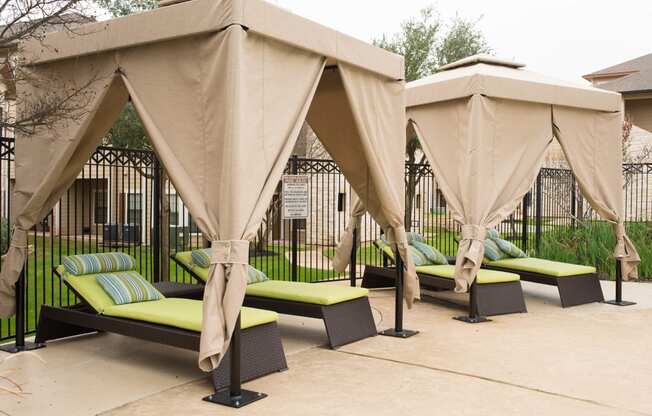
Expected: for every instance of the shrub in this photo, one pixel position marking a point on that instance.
(593, 244)
(4, 235)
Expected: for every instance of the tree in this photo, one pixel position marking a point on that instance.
(427, 45)
(30, 20)
(126, 7)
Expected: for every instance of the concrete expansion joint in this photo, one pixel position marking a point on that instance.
(493, 380)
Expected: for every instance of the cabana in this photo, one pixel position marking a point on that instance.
(222, 88)
(485, 125)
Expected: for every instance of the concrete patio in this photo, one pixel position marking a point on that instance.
(588, 360)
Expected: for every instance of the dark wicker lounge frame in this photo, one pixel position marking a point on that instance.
(573, 290)
(345, 322)
(261, 349)
(484, 300)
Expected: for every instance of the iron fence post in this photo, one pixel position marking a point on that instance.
(538, 213)
(353, 264)
(525, 225)
(156, 238)
(573, 202)
(294, 168)
(19, 343)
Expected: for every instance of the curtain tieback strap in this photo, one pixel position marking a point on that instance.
(230, 252)
(474, 232)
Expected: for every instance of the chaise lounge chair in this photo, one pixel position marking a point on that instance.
(577, 284)
(497, 292)
(345, 310)
(170, 321)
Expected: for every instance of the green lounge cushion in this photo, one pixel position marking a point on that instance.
(484, 276)
(183, 313)
(543, 266)
(88, 288)
(187, 258)
(313, 293)
(127, 287)
(83, 264)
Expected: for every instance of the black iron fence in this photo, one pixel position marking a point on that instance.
(122, 200)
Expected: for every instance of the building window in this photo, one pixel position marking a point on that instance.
(441, 201)
(101, 206)
(134, 209)
(174, 209)
(340, 201)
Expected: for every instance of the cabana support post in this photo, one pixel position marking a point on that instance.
(474, 316)
(619, 289)
(398, 331)
(20, 345)
(235, 396)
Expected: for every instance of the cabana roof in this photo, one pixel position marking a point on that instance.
(492, 77)
(196, 17)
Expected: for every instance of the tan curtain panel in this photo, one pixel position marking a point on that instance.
(591, 142)
(89, 97)
(342, 256)
(362, 128)
(485, 154)
(223, 113)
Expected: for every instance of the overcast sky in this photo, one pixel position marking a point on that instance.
(561, 38)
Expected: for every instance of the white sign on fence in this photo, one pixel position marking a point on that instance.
(295, 197)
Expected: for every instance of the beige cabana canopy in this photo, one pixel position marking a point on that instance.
(485, 125)
(222, 88)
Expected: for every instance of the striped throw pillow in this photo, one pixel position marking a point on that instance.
(433, 255)
(492, 251)
(415, 237)
(492, 234)
(98, 263)
(127, 287)
(509, 248)
(255, 276)
(202, 257)
(418, 258)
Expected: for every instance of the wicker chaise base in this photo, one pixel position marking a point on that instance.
(573, 290)
(345, 322)
(493, 299)
(262, 350)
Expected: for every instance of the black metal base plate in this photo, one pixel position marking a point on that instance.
(619, 303)
(472, 319)
(405, 333)
(225, 399)
(13, 349)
